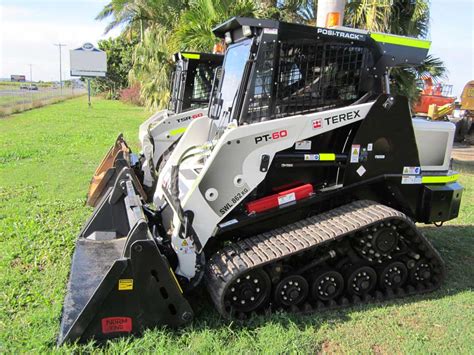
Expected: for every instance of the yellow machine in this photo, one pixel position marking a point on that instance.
(436, 112)
(467, 97)
(465, 126)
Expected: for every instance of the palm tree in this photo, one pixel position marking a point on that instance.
(299, 11)
(152, 65)
(402, 17)
(123, 13)
(137, 15)
(194, 30)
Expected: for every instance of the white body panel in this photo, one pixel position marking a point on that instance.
(435, 142)
(155, 118)
(164, 127)
(206, 219)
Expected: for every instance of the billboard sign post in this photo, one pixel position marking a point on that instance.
(88, 62)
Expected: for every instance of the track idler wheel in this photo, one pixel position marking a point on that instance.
(377, 243)
(327, 286)
(291, 290)
(249, 292)
(362, 281)
(393, 276)
(421, 272)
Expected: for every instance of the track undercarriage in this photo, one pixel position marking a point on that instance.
(358, 253)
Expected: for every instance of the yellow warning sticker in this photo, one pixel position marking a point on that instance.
(355, 151)
(125, 284)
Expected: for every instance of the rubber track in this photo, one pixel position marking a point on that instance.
(238, 258)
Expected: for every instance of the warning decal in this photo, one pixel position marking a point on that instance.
(116, 325)
(303, 145)
(411, 180)
(361, 171)
(355, 151)
(311, 157)
(411, 170)
(286, 198)
(125, 284)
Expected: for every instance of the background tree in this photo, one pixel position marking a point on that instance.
(152, 66)
(119, 63)
(194, 29)
(401, 17)
(137, 15)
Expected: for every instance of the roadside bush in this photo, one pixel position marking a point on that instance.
(131, 95)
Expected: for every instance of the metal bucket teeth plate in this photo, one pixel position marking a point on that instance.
(117, 158)
(119, 285)
(90, 264)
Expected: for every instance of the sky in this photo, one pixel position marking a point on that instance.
(29, 29)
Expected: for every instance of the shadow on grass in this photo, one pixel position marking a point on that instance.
(464, 166)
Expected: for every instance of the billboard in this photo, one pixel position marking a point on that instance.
(14, 77)
(88, 61)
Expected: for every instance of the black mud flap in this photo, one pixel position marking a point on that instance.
(119, 283)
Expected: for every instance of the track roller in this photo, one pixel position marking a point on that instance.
(247, 293)
(362, 281)
(291, 290)
(327, 285)
(393, 276)
(421, 272)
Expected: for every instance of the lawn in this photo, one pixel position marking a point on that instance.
(47, 157)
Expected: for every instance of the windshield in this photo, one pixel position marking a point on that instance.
(234, 64)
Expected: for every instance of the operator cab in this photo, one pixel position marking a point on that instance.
(191, 80)
(275, 69)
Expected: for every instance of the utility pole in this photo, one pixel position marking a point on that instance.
(59, 45)
(31, 72)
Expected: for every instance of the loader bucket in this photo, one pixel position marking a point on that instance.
(117, 158)
(120, 283)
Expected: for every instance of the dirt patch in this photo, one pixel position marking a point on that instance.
(329, 347)
(378, 350)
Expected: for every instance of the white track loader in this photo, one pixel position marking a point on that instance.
(299, 191)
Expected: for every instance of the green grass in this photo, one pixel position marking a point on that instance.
(47, 157)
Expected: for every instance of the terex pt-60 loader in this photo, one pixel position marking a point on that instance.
(191, 84)
(299, 191)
